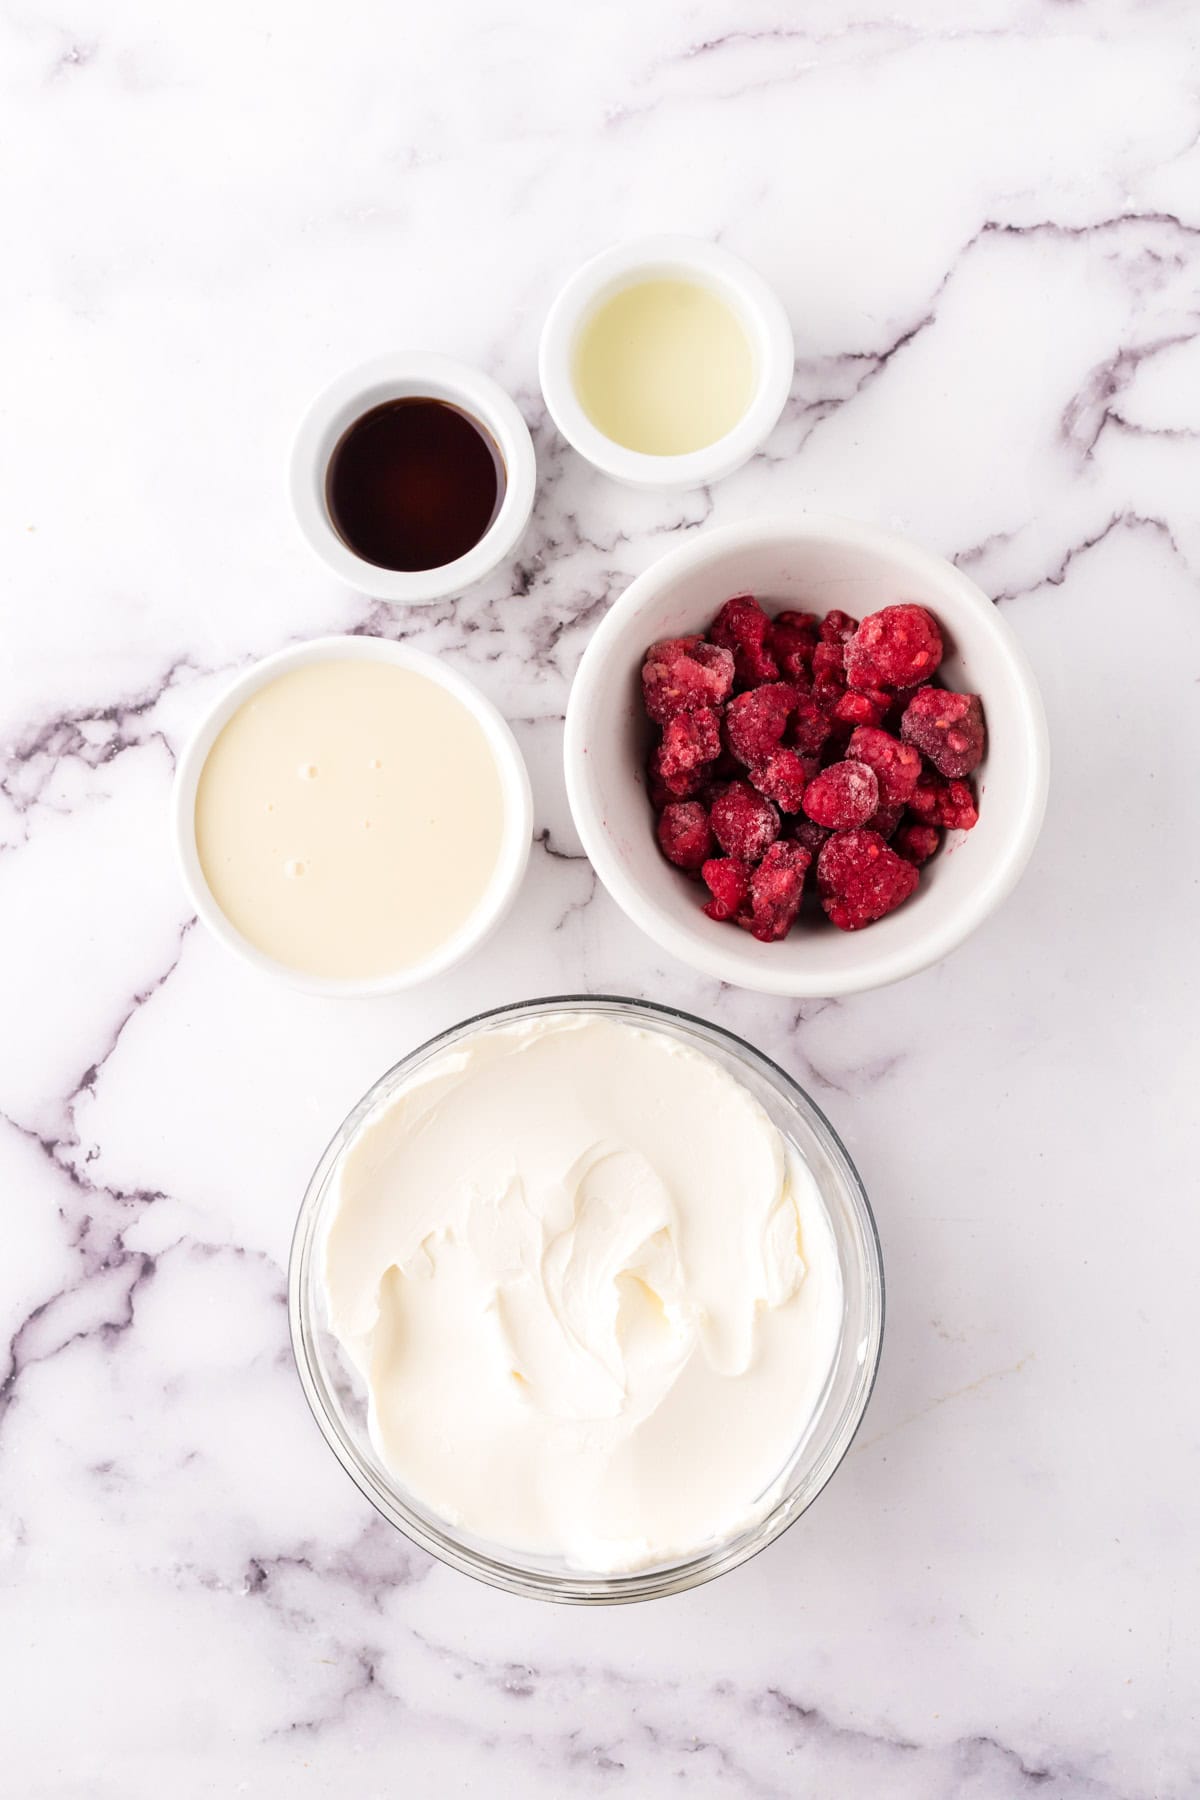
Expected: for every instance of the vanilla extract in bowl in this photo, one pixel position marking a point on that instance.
(414, 484)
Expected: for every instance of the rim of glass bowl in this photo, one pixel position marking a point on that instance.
(577, 1587)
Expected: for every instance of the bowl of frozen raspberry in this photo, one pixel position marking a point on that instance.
(806, 756)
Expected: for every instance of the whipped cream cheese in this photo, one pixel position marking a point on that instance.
(592, 1291)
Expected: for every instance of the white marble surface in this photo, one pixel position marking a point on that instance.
(985, 221)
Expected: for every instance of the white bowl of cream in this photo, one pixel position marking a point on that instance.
(352, 816)
(587, 1298)
(666, 362)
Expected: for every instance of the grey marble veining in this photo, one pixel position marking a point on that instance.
(986, 228)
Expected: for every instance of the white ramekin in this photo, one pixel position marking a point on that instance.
(655, 258)
(811, 563)
(396, 378)
(514, 782)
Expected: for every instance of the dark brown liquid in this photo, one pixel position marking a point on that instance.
(414, 484)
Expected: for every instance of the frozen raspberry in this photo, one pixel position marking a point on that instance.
(829, 675)
(843, 795)
(728, 880)
(784, 777)
(755, 722)
(899, 701)
(837, 627)
(683, 674)
(690, 741)
(776, 889)
(895, 648)
(886, 819)
(947, 728)
(897, 765)
(684, 836)
(680, 786)
(950, 804)
(860, 879)
(659, 793)
(791, 640)
(916, 843)
(744, 823)
(742, 627)
(664, 789)
(808, 833)
(925, 799)
(860, 709)
(811, 726)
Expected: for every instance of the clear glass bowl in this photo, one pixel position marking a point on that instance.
(335, 1391)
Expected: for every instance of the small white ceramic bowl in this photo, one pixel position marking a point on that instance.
(396, 378)
(514, 781)
(811, 563)
(655, 258)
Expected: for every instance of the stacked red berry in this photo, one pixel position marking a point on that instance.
(795, 742)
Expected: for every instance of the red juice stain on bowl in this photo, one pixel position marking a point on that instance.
(414, 484)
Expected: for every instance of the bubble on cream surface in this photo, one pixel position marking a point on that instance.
(593, 1292)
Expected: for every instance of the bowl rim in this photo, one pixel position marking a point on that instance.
(516, 842)
(394, 376)
(729, 961)
(758, 307)
(691, 1571)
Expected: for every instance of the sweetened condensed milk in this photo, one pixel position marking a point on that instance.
(349, 818)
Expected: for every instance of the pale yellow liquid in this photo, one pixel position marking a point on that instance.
(664, 367)
(349, 818)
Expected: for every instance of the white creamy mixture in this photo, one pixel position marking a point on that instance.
(594, 1294)
(349, 817)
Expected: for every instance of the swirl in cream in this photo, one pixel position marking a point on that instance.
(593, 1292)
